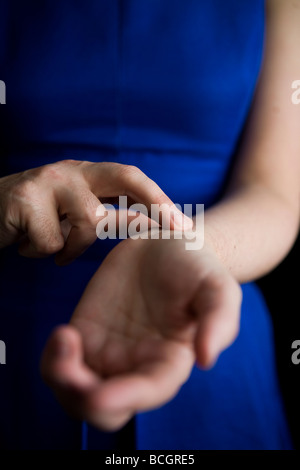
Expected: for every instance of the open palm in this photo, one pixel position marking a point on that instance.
(150, 310)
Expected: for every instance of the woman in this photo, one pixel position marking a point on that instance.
(166, 87)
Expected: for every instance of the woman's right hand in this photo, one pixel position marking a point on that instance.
(35, 205)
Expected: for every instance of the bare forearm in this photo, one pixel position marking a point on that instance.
(251, 231)
(255, 225)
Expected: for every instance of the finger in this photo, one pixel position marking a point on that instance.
(63, 369)
(217, 307)
(28, 250)
(79, 390)
(110, 403)
(81, 213)
(86, 231)
(151, 385)
(79, 240)
(62, 363)
(65, 228)
(113, 179)
(121, 221)
(44, 235)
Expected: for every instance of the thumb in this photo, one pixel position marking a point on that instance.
(217, 307)
(62, 365)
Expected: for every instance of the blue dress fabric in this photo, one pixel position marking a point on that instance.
(166, 86)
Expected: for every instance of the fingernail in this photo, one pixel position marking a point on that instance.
(181, 221)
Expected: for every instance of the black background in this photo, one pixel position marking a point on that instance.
(282, 292)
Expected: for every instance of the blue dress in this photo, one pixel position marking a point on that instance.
(165, 85)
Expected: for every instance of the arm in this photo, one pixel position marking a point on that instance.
(53, 208)
(153, 307)
(254, 226)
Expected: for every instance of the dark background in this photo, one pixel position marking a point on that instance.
(281, 289)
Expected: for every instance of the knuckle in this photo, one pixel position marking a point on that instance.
(130, 173)
(50, 240)
(25, 190)
(68, 162)
(58, 171)
(54, 171)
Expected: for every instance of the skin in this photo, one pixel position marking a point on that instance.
(53, 208)
(137, 331)
(153, 308)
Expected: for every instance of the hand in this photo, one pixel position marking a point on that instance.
(52, 209)
(150, 310)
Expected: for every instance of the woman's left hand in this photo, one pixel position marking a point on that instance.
(148, 313)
